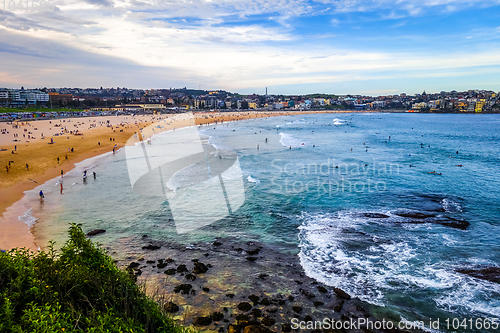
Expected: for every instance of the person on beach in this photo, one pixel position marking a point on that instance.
(7, 168)
(27, 167)
(94, 174)
(62, 173)
(41, 195)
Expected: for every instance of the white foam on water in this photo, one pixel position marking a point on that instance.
(28, 218)
(288, 140)
(471, 295)
(451, 206)
(253, 180)
(336, 250)
(339, 122)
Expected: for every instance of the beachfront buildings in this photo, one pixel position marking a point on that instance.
(21, 97)
(183, 99)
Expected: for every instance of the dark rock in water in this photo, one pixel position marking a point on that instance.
(256, 313)
(263, 276)
(230, 295)
(200, 268)
(244, 306)
(190, 277)
(205, 289)
(281, 302)
(133, 265)
(144, 236)
(195, 260)
(454, 223)
(233, 329)
(291, 298)
(138, 272)
(322, 289)
(491, 274)
(268, 321)
(202, 321)
(376, 215)
(251, 258)
(286, 328)
(318, 303)
(171, 271)
(342, 294)
(242, 318)
(415, 215)
(168, 260)
(297, 308)
(254, 299)
(307, 294)
(95, 232)
(308, 318)
(221, 329)
(298, 282)
(161, 265)
(338, 307)
(150, 261)
(272, 310)
(183, 288)
(265, 302)
(217, 243)
(151, 247)
(257, 328)
(253, 252)
(181, 268)
(217, 316)
(171, 307)
(140, 259)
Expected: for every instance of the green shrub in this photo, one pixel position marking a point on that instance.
(79, 289)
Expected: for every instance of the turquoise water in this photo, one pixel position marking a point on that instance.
(308, 189)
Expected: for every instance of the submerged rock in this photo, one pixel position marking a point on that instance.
(95, 232)
(376, 215)
(183, 288)
(217, 316)
(171, 307)
(199, 268)
(202, 321)
(491, 274)
(342, 294)
(244, 306)
(256, 329)
(151, 247)
(415, 215)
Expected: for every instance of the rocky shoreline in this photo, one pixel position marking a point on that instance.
(241, 286)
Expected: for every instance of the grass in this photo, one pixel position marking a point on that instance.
(78, 289)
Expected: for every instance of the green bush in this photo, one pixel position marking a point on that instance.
(79, 289)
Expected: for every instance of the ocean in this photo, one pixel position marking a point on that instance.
(387, 207)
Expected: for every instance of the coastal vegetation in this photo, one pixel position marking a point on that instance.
(76, 289)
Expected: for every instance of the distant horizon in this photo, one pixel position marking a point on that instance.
(269, 94)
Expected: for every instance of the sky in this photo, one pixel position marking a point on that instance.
(380, 47)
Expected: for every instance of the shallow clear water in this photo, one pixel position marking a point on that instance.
(308, 189)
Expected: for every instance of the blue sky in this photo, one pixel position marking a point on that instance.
(290, 46)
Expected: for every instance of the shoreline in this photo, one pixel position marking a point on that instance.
(14, 232)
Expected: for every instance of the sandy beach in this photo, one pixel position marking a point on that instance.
(34, 152)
